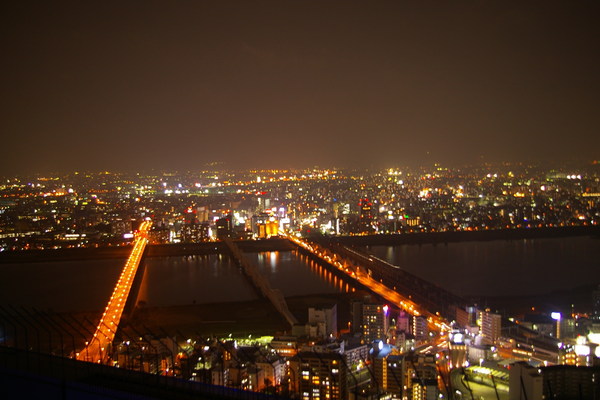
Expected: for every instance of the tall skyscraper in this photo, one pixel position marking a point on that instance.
(420, 328)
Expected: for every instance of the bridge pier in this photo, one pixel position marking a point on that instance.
(261, 283)
(134, 292)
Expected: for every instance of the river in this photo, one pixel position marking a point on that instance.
(501, 267)
(517, 267)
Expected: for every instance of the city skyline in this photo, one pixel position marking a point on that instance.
(312, 200)
(287, 85)
(297, 284)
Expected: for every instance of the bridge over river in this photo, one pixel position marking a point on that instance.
(96, 348)
(402, 289)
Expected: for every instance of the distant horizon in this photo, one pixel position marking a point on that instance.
(230, 168)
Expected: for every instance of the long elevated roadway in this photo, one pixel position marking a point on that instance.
(357, 273)
(96, 348)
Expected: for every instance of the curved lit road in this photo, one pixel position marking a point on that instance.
(95, 350)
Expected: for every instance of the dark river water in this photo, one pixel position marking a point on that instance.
(493, 268)
(216, 279)
(59, 286)
(496, 268)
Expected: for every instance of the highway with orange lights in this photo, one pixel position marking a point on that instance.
(357, 273)
(95, 350)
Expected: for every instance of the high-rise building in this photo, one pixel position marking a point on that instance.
(193, 233)
(321, 376)
(405, 376)
(564, 328)
(491, 325)
(224, 227)
(571, 382)
(420, 328)
(424, 382)
(357, 317)
(424, 389)
(264, 225)
(366, 215)
(365, 209)
(390, 372)
(374, 317)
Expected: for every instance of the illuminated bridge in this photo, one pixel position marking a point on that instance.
(404, 290)
(427, 294)
(96, 348)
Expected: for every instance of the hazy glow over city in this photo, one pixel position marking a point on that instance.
(300, 200)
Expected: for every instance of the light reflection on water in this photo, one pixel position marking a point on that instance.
(493, 268)
(286, 271)
(216, 279)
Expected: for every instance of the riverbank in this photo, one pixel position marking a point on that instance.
(468, 236)
(257, 317)
(278, 244)
(157, 250)
(240, 319)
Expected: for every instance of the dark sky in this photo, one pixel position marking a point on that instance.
(176, 84)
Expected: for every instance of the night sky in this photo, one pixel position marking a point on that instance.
(134, 85)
